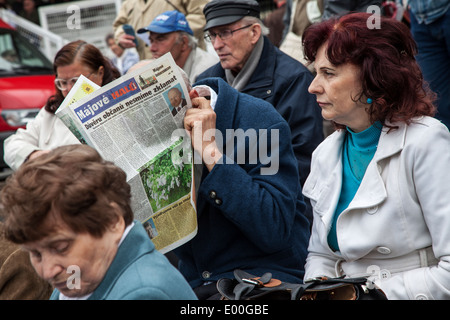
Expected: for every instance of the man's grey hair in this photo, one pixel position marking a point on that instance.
(251, 20)
(192, 41)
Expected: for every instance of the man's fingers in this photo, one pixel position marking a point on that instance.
(201, 103)
(193, 94)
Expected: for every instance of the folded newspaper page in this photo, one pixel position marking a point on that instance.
(131, 122)
(82, 88)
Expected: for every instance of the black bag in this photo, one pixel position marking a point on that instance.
(246, 286)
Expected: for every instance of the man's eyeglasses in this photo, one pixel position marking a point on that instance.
(61, 84)
(223, 35)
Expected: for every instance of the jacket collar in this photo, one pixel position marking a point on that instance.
(135, 245)
(391, 142)
(372, 190)
(324, 185)
(263, 74)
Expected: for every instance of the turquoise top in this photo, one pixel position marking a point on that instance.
(358, 150)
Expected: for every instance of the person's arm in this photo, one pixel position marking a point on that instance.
(430, 175)
(262, 204)
(320, 261)
(124, 40)
(18, 280)
(20, 145)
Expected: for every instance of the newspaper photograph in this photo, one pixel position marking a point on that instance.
(131, 122)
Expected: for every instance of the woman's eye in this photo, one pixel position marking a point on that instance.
(61, 247)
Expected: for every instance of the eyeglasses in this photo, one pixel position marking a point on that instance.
(223, 35)
(61, 84)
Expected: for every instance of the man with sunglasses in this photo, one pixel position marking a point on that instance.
(250, 63)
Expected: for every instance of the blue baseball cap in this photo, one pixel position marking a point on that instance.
(168, 21)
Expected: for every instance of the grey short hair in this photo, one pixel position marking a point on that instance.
(192, 41)
(251, 20)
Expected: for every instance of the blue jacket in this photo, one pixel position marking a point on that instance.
(284, 83)
(247, 220)
(140, 272)
(427, 11)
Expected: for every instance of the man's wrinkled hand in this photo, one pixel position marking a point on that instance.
(200, 124)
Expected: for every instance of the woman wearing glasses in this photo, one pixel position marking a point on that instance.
(46, 131)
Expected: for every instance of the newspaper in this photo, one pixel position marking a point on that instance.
(132, 122)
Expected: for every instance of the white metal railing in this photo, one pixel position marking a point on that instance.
(89, 20)
(46, 41)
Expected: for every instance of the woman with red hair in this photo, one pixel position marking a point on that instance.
(377, 184)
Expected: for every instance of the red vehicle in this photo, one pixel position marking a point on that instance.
(26, 82)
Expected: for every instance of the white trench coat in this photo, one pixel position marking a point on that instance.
(397, 228)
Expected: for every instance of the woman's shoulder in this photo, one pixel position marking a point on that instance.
(426, 121)
(425, 133)
(425, 124)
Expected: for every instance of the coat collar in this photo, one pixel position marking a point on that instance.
(263, 74)
(391, 142)
(324, 182)
(135, 245)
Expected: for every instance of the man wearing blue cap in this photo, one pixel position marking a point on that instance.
(170, 32)
(250, 63)
(138, 14)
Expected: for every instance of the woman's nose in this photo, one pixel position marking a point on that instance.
(47, 268)
(314, 87)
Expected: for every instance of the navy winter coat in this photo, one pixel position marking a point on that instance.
(247, 220)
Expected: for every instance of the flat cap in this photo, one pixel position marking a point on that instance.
(221, 12)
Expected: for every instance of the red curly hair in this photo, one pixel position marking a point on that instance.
(390, 75)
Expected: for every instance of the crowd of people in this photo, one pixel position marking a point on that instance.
(366, 198)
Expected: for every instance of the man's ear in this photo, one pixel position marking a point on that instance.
(185, 40)
(255, 31)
